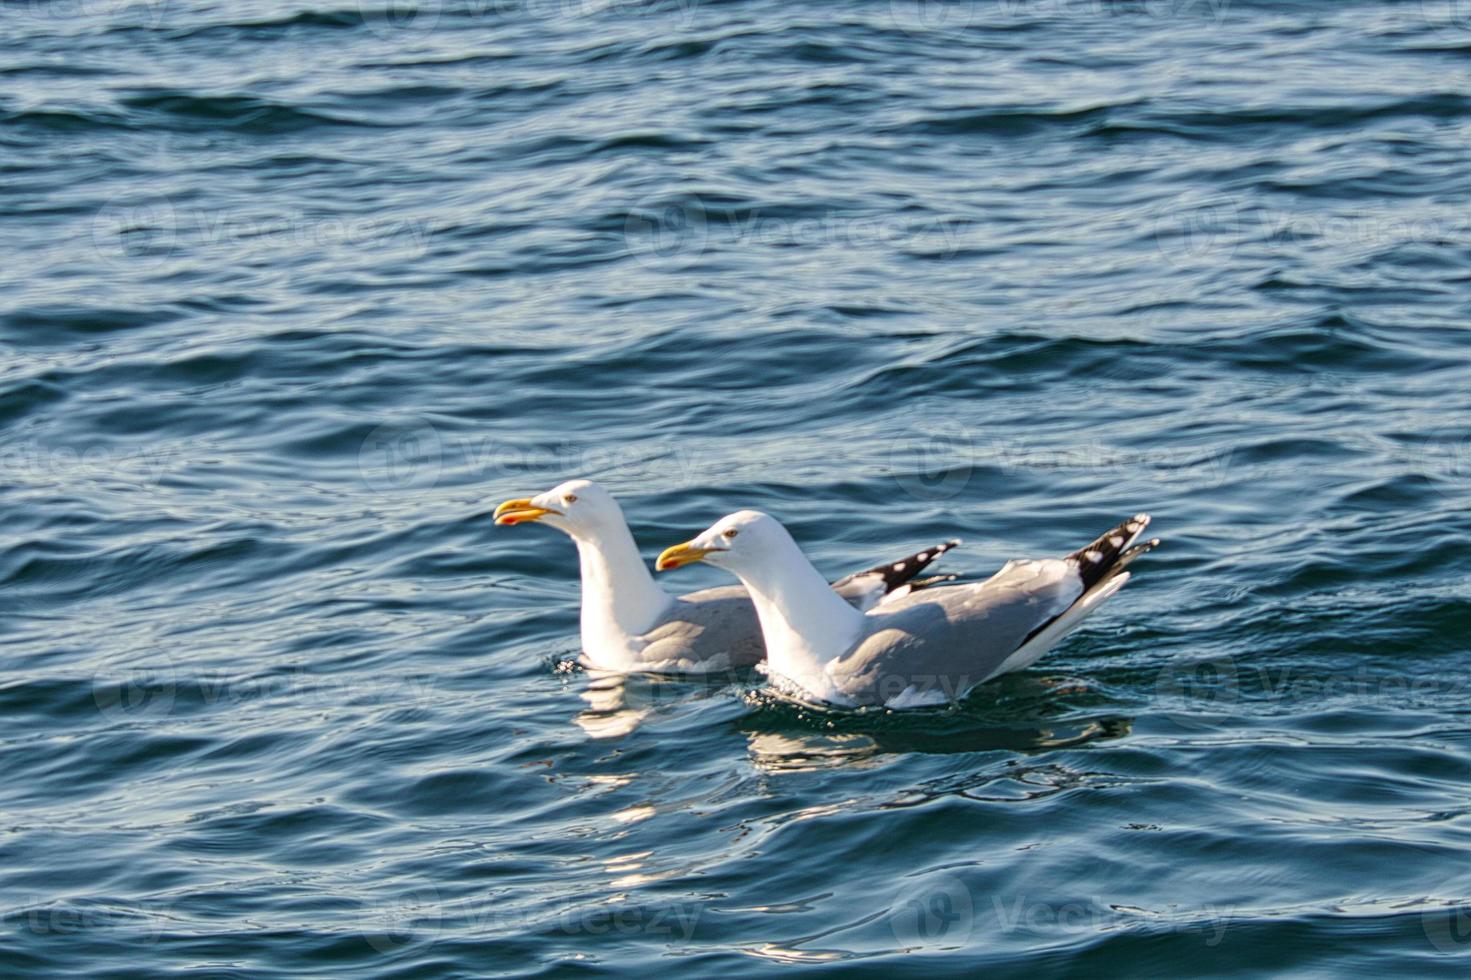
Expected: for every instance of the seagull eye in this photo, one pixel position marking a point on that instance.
(571, 498)
(731, 532)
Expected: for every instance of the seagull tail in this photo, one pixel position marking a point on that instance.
(1112, 552)
(1102, 566)
(1128, 556)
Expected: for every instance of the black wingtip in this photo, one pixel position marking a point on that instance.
(896, 574)
(1111, 551)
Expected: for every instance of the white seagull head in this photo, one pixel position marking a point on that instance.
(579, 508)
(737, 542)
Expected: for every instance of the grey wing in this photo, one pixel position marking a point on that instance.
(705, 631)
(866, 589)
(934, 645)
(717, 628)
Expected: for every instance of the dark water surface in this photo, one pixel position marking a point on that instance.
(292, 295)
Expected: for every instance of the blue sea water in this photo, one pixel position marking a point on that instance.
(292, 294)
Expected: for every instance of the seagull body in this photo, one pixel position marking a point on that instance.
(923, 648)
(629, 623)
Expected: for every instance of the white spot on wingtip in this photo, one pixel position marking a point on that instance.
(1116, 540)
(1093, 556)
(924, 556)
(899, 566)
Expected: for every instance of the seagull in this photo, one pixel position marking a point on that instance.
(630, 624)
(924, 648)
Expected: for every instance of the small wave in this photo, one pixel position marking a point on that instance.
(1231, 125)
(236, 113)
(266, 28)
(66, 120)
(1004, 121)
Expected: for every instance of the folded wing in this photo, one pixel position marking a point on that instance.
(933, 646)
(865, 590)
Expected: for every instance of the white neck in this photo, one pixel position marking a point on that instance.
(619, 597)
(804, 622)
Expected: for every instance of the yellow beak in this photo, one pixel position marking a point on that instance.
(679, 556)
(519, 511)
